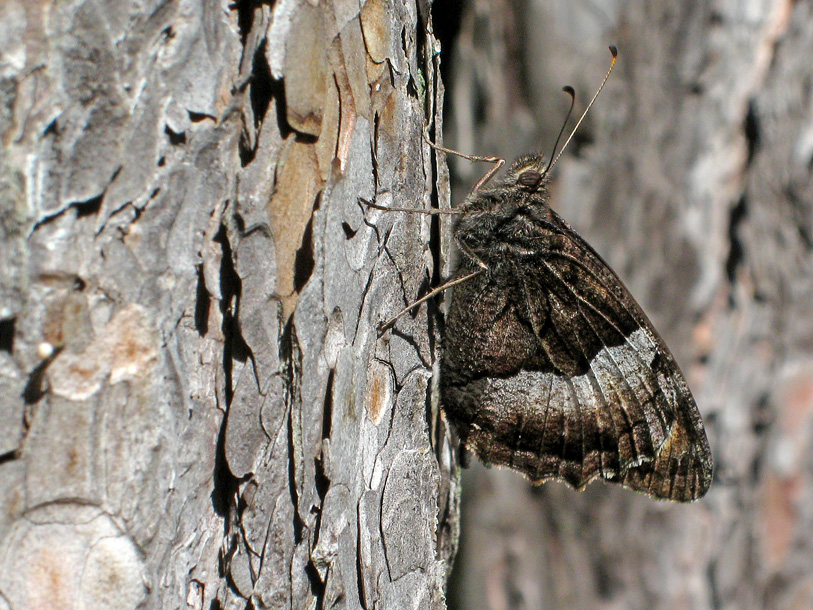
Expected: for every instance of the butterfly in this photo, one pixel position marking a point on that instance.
(549, 366)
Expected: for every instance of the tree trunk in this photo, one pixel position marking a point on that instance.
(692, 177)
(197, 408)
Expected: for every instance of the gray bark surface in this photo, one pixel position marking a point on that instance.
(196, 408)
(692, 177)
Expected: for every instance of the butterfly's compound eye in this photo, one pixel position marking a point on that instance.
(529, 178)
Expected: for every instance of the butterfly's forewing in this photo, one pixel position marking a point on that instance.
(551, 368)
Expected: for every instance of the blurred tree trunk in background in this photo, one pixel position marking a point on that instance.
(196, 409)
(692, 177)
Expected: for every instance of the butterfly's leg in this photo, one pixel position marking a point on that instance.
(389, 323)
(498, 163)
(468, 252)
(430, 211)
(489, 174)
(439, 289)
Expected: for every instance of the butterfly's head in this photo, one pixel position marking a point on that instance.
(528, 173)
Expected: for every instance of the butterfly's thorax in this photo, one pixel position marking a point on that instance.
(504, 228)
(506, 222)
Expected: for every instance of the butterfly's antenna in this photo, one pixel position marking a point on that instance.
(570, 91)
(614, 51)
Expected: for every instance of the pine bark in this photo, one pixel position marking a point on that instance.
(197, 410)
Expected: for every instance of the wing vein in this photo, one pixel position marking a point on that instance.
(650, 393)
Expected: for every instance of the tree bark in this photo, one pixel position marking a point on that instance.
(197, 408)
(691, 176)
